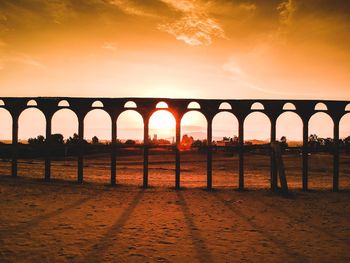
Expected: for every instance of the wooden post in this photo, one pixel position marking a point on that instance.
(273, 168)
(145, 151)
(336, 158)
(113, 152)
(48, 147)
(209, 156)
(14, 145)
(276, 148)
(241, 155)
(177, 154)
(305, 154)
(81, 150)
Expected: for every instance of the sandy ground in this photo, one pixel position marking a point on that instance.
(62, 221)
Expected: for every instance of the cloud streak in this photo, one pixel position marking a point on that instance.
(194, 27)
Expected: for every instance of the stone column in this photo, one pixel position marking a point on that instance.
(48, 147)
(305, 154)
(177, 154)
(81, 150)
(336, 157)
(273, 168)
(145, 151)
(209, 155)
(14, 144)
(114, 151)
(241, 154)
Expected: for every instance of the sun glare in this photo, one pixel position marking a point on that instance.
(162, 123)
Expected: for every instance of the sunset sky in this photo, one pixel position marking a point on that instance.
(175, 48)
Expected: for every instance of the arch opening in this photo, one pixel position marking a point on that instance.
(63, 103)
(289, 132)
(130, 153)
(320, 147)
(257, 106)
(162, 105)
(289, 106)
(344, 133)
(64, 145)
(321, 107)
(225, 106)
(2, 103)
(5, 142)
(225, 149)
(347, 108)
(32, 103)
(97, 104)
(193, 105)
(130, 105)
(193, 149)
(257, 130)
(31, 152)
(97, 138)
(161, 155)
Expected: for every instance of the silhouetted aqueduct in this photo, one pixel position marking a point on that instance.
(305, 109)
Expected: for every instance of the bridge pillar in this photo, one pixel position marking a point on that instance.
(14, 145)
(305, 154)
(177, 154)
(241, 154)
(209, 155)
(114, 152)
(48, 147)
(336, 157)
(145, 151)
(81, 150)
(274, 183)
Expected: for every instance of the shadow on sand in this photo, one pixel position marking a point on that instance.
(41, 218)
(98, 250)
(260, 229)
(202, 251)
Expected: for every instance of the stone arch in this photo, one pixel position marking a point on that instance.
(161, 123)
(344, 126)
(6, 126)
(162, 132)
(95, 116)
(225, 106)
(257, 131)
(289, 106)
(65, 122)
(130, 132)
(193, 105)
(347, 108)
(344, 132)
(290, 125)
(321, 125)
(224, 124)
(315, 124)
(257, 106)
(225, 118)
(134, 126)
(130, 105)
(25, 121)
(193, 124)
(321, 107)
(97, 104)
(32, 103)
(5, 140)
(162, 105)
(63, 103)
(97, 123)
